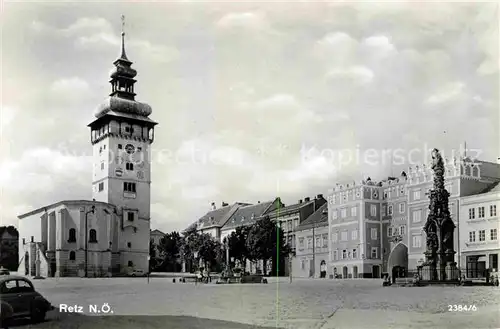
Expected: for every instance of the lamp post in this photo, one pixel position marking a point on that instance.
(227, 254)
(91, 211)
(195, 254)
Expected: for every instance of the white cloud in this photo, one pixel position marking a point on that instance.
(449, 92)
(7, 115)
(247, 20)
(357, 74)
(200, 192)
(72, 86)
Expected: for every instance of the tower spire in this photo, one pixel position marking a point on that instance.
(123, 54)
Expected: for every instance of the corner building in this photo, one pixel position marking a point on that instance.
(111, 234)
(377, 227)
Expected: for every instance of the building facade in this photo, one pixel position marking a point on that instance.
(311, 254)
(479, 226)
(377, 227)
(113, 234)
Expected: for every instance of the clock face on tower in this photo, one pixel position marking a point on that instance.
(130, 148)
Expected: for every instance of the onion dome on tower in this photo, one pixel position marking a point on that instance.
(122, 97)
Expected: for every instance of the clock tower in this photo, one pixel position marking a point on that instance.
(121, 136)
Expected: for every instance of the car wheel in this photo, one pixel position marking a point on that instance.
(37, 314)
(133, 275)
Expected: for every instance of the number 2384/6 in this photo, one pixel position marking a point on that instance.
(462, 308)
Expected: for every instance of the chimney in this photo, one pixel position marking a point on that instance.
(258, 201)
(300, 201)
(32, 238)
(307, 199)
(224, 204)
(213, 206)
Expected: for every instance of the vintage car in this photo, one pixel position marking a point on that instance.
(19, 299)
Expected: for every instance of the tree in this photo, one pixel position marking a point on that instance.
(9, 248)
(266, 241)
(238, 244)
(152, 255)
(170, 248)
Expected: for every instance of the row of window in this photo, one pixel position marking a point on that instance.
(321, 242)
(482, 235)
(344, 235)
(388, 193)
(120, 147)
(353, 254)
(92, 236)
(389, 210)
(481, 212)
(401, 230)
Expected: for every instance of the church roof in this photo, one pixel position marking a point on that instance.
(217, 217)
(86, 203)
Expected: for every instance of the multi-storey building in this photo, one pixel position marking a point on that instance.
(109, 235)
(312, 245)
(376, 228)
(479, 226)
(290, 217)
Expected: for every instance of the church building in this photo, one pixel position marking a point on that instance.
(109, 235)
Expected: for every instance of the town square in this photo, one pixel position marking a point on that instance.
(237, 165)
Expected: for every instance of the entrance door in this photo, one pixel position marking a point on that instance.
(354, 272)
(311, 268)
(344, 272)
(398, 272)
(376, 271)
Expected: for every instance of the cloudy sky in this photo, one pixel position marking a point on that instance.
(253, 101)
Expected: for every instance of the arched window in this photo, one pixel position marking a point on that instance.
(72, 235)
(93, 236)
(72, 255)
(130, 263)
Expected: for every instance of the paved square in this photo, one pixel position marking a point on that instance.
(302, 304)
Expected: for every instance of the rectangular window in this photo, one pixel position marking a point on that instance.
(129, 187)
(335, 237)
(318, 242)
(374, 253)
(335, 255)
(493, 210)
(472, 236)
(101, 186)
(480, 212)
(402, 208)
(343, 213)
(389, 231)
(289, 226)
(451, 207)
(482, 235)
(129, 244)
(130, 216)
(301, 243)
(344, 254)
(354, 211)
(344, 236)
(417, 216)
(102, 165)
(416, 195)
(354, 254)
(354, 235)
(334, 214)
(385, 194)
(139, 149)
(309, 242)
(402, 191)
(129, 166)
(493, 234)
(120, 146)
(384, 210)
(417, 241)
(325, 240)
(390, 210)
(402, 230)
(472, 213)
(373, 210)
(374, 234)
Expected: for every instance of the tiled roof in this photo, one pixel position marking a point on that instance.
(217, 217)
(318, 218)
(157, 232)
(243, 216)
(290, 208)
(495, 187)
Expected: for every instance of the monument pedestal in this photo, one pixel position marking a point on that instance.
(451, 271)
(428, 272)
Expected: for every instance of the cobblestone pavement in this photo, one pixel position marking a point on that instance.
(298, 305)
